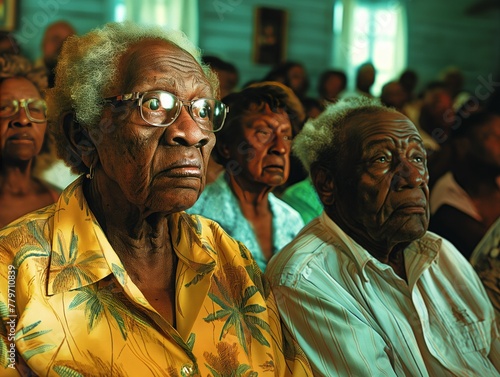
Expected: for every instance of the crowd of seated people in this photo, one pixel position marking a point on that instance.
(292, 196)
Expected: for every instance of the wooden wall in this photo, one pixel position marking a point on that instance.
(440, 33)
(226, 30)
(35, 15)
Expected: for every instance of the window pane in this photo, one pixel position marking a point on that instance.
(383, 54)
(120, 11)
(385, 22)
(362, 37)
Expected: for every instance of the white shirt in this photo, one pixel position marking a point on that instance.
(353, 316)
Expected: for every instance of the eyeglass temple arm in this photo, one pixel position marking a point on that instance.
(124, 97)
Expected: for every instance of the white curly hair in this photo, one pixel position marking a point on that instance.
(88, 65)
(321, 139)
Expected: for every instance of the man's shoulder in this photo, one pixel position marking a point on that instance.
(308, 245)
(449, 260)
(297, 190)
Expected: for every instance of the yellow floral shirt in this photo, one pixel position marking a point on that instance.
(69, 308)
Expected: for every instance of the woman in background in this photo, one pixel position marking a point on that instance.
(254, 147)
(23, 137)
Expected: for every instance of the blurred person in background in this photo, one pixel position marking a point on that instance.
(465, 201)
(254, 148)
(393, 95)
(293, 74)
(331, 84)
(24, 140)
(57, 173)
(228, 76)
(53, 38)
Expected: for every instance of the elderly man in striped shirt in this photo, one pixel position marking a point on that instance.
(365, 288)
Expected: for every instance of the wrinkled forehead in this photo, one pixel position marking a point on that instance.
(18, 87)
(363, 128)
(155, 60)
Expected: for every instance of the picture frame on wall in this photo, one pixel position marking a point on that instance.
(270, 35)
(8, 15)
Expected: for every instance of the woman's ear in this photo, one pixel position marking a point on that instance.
(222, 149)
(323, 181)
(80, 144)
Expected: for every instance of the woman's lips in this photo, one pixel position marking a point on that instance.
(274, 167)
(23, 138)
(183, 168)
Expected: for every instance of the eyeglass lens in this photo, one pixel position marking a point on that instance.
(163, 108)
(36, 109)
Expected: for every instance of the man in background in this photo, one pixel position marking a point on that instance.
(52, 42)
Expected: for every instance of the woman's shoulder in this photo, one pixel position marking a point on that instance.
(284, 210)
(210, 235)
(215, 202)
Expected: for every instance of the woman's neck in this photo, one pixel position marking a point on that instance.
(128, 227)
(17, 180)
(251, 197)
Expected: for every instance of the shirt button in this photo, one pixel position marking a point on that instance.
(187, 370)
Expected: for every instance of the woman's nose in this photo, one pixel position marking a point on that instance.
(279, 144)
(21, 118)
(185, 131)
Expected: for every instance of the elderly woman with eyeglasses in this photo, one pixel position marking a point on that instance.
(115, 279)
(23, 139)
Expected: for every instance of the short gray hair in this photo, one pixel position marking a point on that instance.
(321, 140)
(88, 65)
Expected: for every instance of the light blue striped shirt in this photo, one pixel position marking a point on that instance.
(353, 316)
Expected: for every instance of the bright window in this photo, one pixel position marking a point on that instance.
(370, 32)
(174, 14)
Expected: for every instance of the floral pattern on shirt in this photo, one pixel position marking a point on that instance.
(78, 313)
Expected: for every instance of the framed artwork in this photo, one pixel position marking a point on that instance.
(270, 35)
(8, 15)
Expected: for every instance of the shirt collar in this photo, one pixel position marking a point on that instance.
(81, 254)
(428, 247)
(77, 258)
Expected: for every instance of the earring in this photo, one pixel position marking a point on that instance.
(90, 174)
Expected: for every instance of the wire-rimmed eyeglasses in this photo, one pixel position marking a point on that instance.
(35, 108)
(160, 108)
